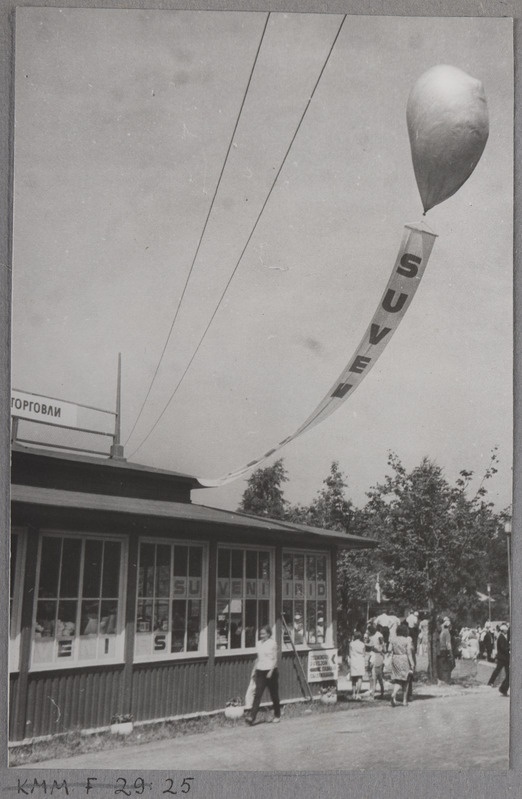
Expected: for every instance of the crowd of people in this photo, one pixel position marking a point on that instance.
(392, 645)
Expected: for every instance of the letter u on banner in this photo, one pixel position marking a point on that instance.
(410, 264)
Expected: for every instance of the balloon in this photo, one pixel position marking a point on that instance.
(447, 118)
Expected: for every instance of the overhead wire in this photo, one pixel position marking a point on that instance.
(205, 224)
(198, 346)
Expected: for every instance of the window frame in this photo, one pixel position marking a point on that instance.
(166, 656)
(15, 614)
(328, 634)
(226, 653)
(75, 662)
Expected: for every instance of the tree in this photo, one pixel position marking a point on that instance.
(264, 494)
(434, 539)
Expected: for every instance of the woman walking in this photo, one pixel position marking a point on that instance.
(357, 663)
(266, 675)
(402, 663)
(376, 646)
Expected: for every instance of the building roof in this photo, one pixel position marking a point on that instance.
(34, 496)
(104, 463)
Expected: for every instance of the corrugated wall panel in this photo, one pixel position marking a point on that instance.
(13, 700)
(61, 701)
(231, 677)
(83, 699)
(292, 684)
(160, 690)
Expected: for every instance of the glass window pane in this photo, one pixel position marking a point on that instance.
(237, 563)
(288, 614)
(264, 566)
(195, 562)
(70, 571)
(251, 565)
(298, 567)
(250, 622)
(111, 569)
(321, 622)
(178, 625)
(109, 617)
(310, 568)
(263, 613)
(193, 625)
(310, 622)
(162, 587)
(45, 619)
(92, 568)
(180, 561)
(146, 570)
(287, 567)
(223, 563)
(144, 617)
(49, 567)
(236, 623)
(321, 567)
(89, 624)
(222, 625)
(298, 622)
(161, 616)
(66, 623)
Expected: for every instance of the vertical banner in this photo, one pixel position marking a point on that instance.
(410, 264)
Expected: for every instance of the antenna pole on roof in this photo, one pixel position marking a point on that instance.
(117, 447)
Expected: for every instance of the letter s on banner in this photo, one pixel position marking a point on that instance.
(414, 252)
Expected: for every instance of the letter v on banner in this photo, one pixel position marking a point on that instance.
(410, 264)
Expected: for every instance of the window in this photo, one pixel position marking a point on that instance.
(79, 601)
(169, 617)
(306, 603)
(243, 597)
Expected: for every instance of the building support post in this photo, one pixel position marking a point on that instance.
(126, 693)
(211, 627)
(26, 636)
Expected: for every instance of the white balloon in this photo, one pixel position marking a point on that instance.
(448, 126)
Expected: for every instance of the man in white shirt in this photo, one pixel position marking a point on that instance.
(266, 674)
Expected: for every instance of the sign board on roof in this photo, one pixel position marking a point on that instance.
(43, 409)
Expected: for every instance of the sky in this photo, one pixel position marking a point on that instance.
(122, 124)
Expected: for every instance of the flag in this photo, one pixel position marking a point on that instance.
(484, 597)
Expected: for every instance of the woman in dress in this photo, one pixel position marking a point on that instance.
(357, 663)
(402, 662)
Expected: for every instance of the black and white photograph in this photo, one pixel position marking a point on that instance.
(261, 395)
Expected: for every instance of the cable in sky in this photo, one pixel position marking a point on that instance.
(246, 244)
(203, 230)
